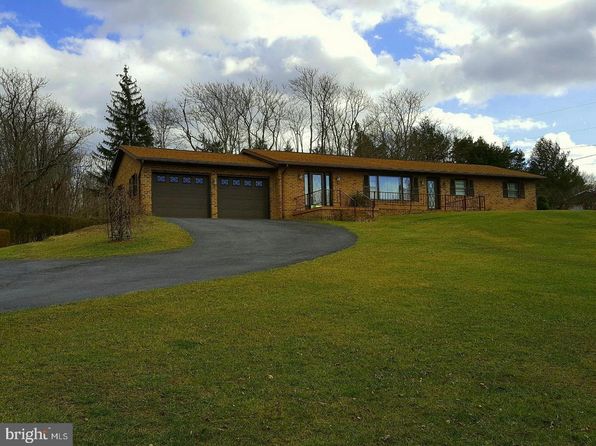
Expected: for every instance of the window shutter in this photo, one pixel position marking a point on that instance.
(522, 190)
(470, 189)
(366, 186)
(414, 191)
(452, 187)
(504, 189)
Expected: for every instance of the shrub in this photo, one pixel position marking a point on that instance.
(359, 200)
(542, 203)
(26, 228)
(120, 213)
(4, 238)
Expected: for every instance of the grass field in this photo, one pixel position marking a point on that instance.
(438, 329)
(150, 234)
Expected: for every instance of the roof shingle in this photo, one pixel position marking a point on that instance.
(192, 157)
(350, 162)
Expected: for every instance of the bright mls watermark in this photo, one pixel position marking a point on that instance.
(46, 434)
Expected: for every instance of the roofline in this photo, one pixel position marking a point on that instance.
(512, 172)
(116, 164)
(204, 163)
(124, 148)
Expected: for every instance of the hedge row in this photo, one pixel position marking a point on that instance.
(26, 228)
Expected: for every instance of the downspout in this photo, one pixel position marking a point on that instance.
(281, 192)
(140, 182)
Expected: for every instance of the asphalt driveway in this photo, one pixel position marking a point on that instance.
(221, 248)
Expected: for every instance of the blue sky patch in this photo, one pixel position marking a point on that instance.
(395, 38)
(49, 19)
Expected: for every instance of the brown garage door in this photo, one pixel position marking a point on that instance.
(180, 195)
(242, 197)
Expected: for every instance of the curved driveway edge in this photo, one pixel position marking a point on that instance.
(221, 248)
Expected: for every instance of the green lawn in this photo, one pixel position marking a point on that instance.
(473, 328)
(150, 234)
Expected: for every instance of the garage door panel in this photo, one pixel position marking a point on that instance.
(180, 195)
(243, 197)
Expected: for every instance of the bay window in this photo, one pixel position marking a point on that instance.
(389, 188)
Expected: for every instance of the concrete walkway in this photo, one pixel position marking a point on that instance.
(222, 248)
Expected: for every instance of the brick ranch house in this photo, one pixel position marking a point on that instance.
(282, 185)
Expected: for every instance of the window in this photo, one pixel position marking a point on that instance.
(513, 189)
(373, 186)
(390, 188)
(186, 180)
(173, 179)
(224, 181)
(235, 182)
(199, 180)
(406, 188)
(460, 187)
(317, 189)
(133, 185)
(258, 183)
(161, 178)
(248, 183)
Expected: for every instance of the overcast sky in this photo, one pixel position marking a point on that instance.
(501, 69)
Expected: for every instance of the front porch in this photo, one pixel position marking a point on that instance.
(337, 205)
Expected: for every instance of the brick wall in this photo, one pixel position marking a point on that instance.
(350, 182)
(128, 167)
(210, 171)
(286, 185)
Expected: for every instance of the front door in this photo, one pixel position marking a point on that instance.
(432, 191)
(317, 189)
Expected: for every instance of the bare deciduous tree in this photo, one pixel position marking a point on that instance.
(326, 97)
(226, 116)
(163, 118)
(210, 119)
(272, 105)
(315, 111)
(393, 118)
(296, 121)
(348, 108)
(303, 87)
(332, 111)
(247, 108)
(40, 144)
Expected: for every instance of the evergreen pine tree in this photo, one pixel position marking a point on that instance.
(563, 178)
(127, 124)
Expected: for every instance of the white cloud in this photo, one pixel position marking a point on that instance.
(486, 127)
(479, 49)
(234, 65)
(7, 16)
(508, 47)
(525, 145)
(477, 126)
(520, 124)
(561, 138)
(577, 152)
